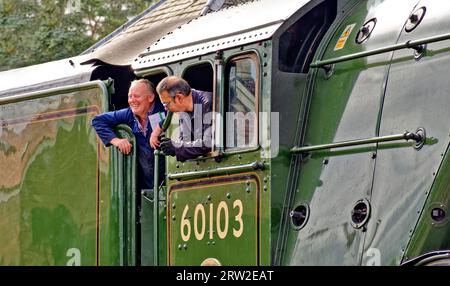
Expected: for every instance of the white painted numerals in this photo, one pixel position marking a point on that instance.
(221, 215)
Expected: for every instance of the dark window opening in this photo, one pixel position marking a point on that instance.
(155, 79)
(200, 77)
(122, 76)
(299, 42)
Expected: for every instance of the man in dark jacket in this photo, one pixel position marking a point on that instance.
(195, 111)
(144, 113)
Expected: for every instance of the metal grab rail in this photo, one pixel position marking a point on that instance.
(416, 44)
(419, 136)
(219, 171)
(156, 207)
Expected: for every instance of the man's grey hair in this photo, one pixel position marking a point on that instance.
(149, 84)
(173, 85)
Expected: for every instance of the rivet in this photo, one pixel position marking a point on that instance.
(265, 74)
(173, 217)
(185, 246)
(173, 205)
(213, 243)
(265, 64)
(208, 243)
(228, 196)
(325, 161)
(209, 197)
(248, 183)
(265, 188)
(179, 246)
(247, 190)
(265, 179)
(374, 155)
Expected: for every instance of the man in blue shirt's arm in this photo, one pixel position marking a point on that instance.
(144, 111)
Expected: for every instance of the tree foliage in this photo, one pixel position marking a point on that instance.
(38, 31)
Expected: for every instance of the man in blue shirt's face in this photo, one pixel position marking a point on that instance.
(140, 100)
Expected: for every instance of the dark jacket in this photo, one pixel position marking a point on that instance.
(196, 128)
(105, 123)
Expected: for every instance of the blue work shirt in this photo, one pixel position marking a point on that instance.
(104, 125)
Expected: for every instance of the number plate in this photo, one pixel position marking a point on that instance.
(214, 218)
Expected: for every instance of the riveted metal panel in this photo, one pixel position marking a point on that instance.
(416, 96)
(345, 105)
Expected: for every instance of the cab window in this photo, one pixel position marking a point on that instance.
(241, 103)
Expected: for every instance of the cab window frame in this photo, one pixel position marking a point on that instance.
(253, 55)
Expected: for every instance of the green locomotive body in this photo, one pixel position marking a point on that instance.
(342, 158)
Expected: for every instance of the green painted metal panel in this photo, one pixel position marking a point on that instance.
(416, 96)
(55, 180)
(345, 105)
(432, 234)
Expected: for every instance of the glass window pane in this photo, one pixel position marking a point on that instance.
(241, 113)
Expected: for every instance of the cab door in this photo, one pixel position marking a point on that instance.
(213, 210)
(416, 97)
(334, 185)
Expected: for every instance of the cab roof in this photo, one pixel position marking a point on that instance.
(249, 22)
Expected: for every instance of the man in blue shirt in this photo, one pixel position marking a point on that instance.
(195, 110)
(144, 111)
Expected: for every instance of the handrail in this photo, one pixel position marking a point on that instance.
(219, 171)
(419, 137)
(127, 197)
(416, 44)
(156, 208)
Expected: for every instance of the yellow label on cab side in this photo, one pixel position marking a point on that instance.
(343, 38)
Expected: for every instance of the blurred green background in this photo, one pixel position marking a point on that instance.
(38, 31)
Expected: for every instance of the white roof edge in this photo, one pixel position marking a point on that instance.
(220, 30)
(160, 58)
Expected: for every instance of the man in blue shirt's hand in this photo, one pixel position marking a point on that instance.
(145, 112)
